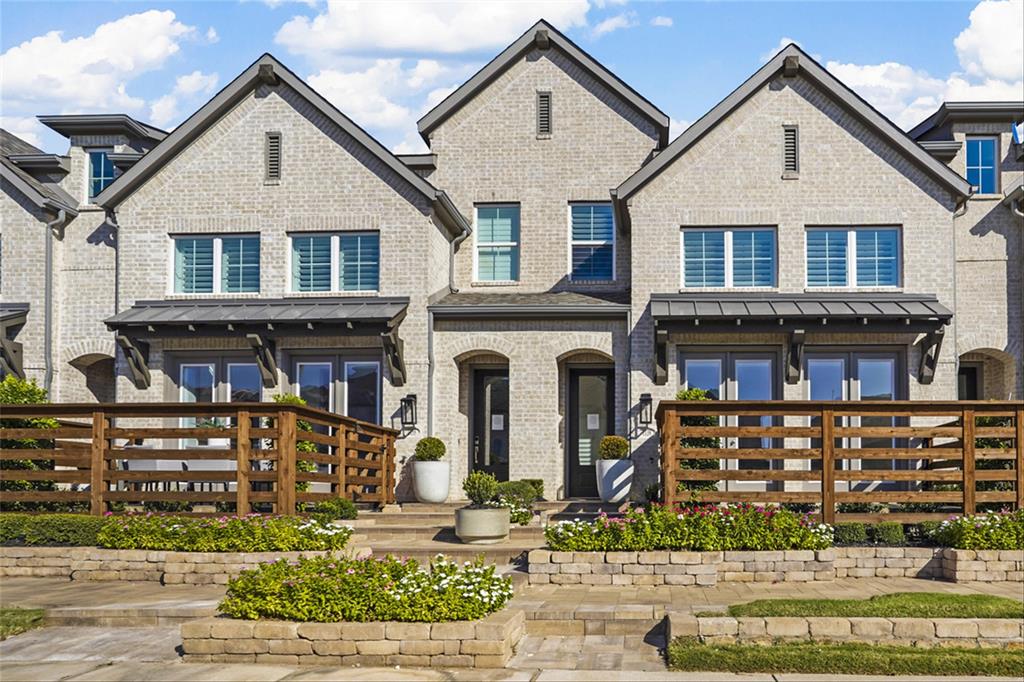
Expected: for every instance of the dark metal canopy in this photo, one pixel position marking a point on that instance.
(546, 304)
(797, 314)
(259, 322)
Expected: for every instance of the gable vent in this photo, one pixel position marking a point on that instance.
(273, 153)
(790, 150)
(544, 113)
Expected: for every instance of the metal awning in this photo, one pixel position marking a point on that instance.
(259, 322)
(536, 305)
(797, 314)
(12, 318)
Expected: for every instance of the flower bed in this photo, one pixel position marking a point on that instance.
(252, 533)
(330, 588)
(1000, 530)
(696, 528)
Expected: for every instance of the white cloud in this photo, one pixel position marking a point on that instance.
(190, 87)
(274, 4)
(25, 127)
(992, 46)
(676, 126)
(362, 94)
(784, 42)
(350, 27)
(90, 72)
(904, 94)
(211, 35)
(664, 22)
(619, 21)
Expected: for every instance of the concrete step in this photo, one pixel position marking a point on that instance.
(512, 551)
(441, 533)
(571, 505)
(129, 617)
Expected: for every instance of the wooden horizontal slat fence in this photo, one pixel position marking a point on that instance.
(192, 454)
(828, 454)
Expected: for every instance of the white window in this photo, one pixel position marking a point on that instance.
(349, 261)
(215, 265)
(497, 243)
(592, 233)
(728, 257)
(853, 257)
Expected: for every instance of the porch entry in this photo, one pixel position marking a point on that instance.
(736, 376)
(489, 437)
(348, 385)
(591, 418)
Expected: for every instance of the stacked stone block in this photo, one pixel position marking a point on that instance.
(963, 565)
(888, 562)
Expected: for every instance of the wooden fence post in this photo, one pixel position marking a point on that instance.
(243, 453)
(967, 425)
(286, 452)
(669, 455)
(828, 467)
(389, 480)
(342, 452)
(97, 463)
(1019, 443)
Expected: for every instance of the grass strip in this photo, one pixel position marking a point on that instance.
(16, 621)
(842, 659)
(896, 605)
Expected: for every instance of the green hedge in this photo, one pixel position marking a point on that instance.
(700, 528)
(329, 589)
(50, 529)
(999, 530)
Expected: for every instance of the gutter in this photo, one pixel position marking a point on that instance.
(58, 222)
(513, 311)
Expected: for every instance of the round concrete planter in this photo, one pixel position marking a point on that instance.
(484, 526)
(430, 481)
(614, 479)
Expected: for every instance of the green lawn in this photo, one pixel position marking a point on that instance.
(896, 605)
(16, 621)
(850, 659)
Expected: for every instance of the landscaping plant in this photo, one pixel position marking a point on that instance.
(702, 442)
(613, 447)
(331, 588)
(888, 533)
(480, 487)
(698, 528)
(252, 533)
(894, 605)
(429, 449)
(997, 530)
(15, 391)
(74, 530)
(335, 509)
(847, 534)
(518, 497)
(302, 446)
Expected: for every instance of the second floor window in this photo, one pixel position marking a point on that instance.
(742, 257)
(335, 262)
(101, 171)
(497, 243)
(593, 242)
(981, 164)
(217, 265)
(858, 257)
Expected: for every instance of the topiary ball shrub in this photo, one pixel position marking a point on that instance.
(888, 533)
(430, 449)
(480, 487)
(328, 589)
(848, 534)
(613, 447)
(50, 530)
(335, 509)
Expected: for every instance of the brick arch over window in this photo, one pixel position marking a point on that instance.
(998, 373)
(88, 351)
(587, 355)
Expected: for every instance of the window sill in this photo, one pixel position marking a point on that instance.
(790, 175)
(991, 196)
(848, 290)
(728, 290)
(194, 297)
(89, 208)
(330, 294)
(501, 283)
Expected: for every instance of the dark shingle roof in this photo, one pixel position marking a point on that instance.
(42, 193)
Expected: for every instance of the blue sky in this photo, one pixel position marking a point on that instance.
(385, 63)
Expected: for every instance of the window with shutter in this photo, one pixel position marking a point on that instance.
(593, 242)
(859, 257)
(273, 156)
(311, 262)
(497, 243)
(240, 264)
(790, 150)
(826, 258)
(544, 123)
(193, 265)
(217, 264)
(359, 265)
(729, 257)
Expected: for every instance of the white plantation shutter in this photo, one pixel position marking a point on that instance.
(193, 265)
(311, 262)
(240, 264)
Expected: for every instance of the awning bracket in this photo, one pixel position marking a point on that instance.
(394, 356)
(136, 354)
(795, 356)
(931, 344)
(263, 349)
(660, 356)
(11, 358)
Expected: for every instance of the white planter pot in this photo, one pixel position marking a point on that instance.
(486, 526)
(430, 481)
(614, 479)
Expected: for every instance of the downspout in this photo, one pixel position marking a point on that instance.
(1015, 207)
(959, 211)
(58, 222)
(451, 259)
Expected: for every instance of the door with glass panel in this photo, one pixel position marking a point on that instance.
(736, 376)
(341, 385)
(591, 418)
(490, 425)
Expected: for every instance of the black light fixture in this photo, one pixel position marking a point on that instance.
(646, 409)
(409, 411)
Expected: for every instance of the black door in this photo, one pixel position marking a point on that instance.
(591, 418)
(490, 423)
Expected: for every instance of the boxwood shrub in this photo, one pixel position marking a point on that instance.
(700, 528)
(850, 533)
(252, 533)
(889, 533)
(50, 529)
(998, 530)
(331, 588)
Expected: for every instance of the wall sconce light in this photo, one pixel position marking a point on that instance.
(409, 411)
(646, 409)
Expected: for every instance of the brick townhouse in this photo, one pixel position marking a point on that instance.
(548, 270)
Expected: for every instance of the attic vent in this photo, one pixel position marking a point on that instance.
(273, 156)
(790, 150)
(544, 114)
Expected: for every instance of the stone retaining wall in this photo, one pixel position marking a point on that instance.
(918, 632)
(486, 643)
(93, 563)
(961, 565)
(710, 568)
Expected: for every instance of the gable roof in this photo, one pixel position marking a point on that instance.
(268, 69)
(969, 111)
(542, 34)
(45, 195)
(792, 59)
